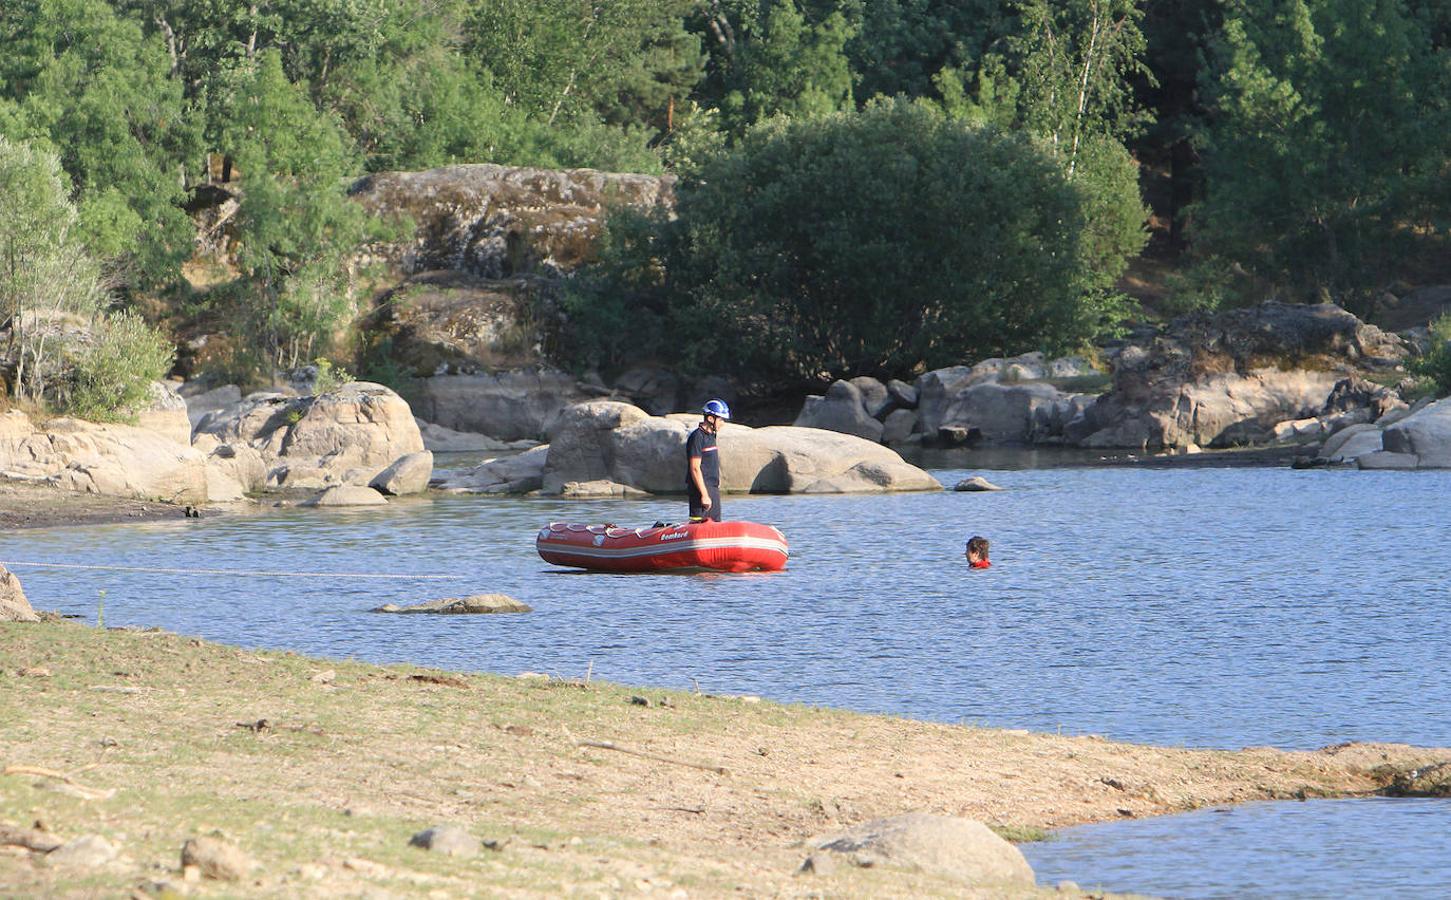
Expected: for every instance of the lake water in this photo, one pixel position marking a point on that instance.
(1328, 849)
(1201, 607)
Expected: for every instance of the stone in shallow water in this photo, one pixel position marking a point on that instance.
(976, 483)
(478, 603)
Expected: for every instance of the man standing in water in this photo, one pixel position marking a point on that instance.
(702, 472)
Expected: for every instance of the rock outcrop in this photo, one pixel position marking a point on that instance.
(449, 322)
(616, 442)
(13, 605)
(1010, 400)
(843, 409)
(406, 475)
(477, 604)
(507, 406)
(947, 846)
(522, 473)
(1228, 379)
(345, 436)
(500, 221)
(109, 459)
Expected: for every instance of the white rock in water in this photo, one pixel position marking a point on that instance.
(347, 495)
(976, 483)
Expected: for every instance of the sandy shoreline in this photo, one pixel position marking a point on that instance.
(310, 763)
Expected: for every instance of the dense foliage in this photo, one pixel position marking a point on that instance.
(881, 241)
(1294, 148)
(64, 346)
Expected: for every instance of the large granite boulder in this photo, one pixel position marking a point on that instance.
(500, 221)
(166, 415)
(406, 475)
(109, 459)
(844, 410)
(201, 399)
(13, 605)
(1424, 435)
(1349, 444)
(1013, 412)
(615, 442)
(876, 399)
(507, 406)
(344, 436)
(1227, 379)
(946, 846)
(1001, 401)
(518, 474)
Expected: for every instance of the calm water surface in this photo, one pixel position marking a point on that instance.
(1201, 607)
(1320, 849)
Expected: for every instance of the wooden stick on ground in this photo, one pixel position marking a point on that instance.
(609, 745)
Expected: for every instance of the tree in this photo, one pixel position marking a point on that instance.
(62, 345)
(775, 57)
(90, 85)
(1076, 62)
(571, 60)
(296, 229)
(878, 242)
(1327, 137)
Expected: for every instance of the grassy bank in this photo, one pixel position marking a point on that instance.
(322, 770)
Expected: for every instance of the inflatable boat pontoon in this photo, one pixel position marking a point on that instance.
(721, 546)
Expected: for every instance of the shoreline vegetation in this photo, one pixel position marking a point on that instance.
(318, 771)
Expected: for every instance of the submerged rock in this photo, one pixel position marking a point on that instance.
(1427, 781)
(347, 495)
(975, 483)
(476, 604)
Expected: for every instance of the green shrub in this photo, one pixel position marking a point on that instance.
(111, 378)
(1435, 365)
(329, 377)
(876, 242)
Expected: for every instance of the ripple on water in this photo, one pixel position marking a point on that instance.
(1316, 849)
(1204, 607)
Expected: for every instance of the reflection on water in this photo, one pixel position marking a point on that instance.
(1205, 607)
(1319, 849)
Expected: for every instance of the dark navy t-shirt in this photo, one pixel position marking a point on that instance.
(702, 444)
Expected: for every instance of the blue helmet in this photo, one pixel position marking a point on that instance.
(717, 408)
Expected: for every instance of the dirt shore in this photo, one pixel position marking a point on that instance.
(28, 505)
(321, 770)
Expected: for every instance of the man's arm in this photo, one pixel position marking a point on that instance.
(699, 480)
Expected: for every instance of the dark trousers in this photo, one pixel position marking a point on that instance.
(696, 507)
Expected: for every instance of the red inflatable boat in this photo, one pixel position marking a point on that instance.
(722, 546)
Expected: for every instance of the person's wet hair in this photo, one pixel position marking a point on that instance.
(978, 545)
